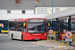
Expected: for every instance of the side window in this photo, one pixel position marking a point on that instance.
(12, 26)
(19, 26)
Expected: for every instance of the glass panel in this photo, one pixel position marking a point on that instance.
(57, 10)
(63, 25)
(36, 26)
(19, 26)
(12, 25)
(73, 27)
(42, 10)
(56, 25)
(4, 25)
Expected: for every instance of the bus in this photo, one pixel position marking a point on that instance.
(28, 29)
(64, 25)
(3, 26)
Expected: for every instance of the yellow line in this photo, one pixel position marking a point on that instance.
(42, 44)
(8, 44)
(20, 47)
(11, 45)
(38, 45)
(60, 46)
(17, 47)
(24, 48)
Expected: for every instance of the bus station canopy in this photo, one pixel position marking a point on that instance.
(65, 13)
(16, 16)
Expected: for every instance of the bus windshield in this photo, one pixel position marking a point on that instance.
(36, 27)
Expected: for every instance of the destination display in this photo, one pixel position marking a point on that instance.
(36, 20)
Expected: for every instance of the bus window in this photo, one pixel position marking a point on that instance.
(63, 25)
(38, 27)
(21, 26)
(12, 26)
(6, 25)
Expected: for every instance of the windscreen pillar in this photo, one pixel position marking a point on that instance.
(69, 23)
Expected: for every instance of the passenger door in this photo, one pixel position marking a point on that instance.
(20, 29)
(12, 28)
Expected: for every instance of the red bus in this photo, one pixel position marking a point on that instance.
(28, 29)
(64, 25)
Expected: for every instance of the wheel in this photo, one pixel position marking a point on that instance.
(12, 36)
(22, 38)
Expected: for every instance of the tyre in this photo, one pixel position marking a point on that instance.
(12, 36)
(22, 38)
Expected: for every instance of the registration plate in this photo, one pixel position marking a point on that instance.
(36, 38)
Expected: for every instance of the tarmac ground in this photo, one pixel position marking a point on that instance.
(44, 44)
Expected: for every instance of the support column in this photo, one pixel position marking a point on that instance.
(57, 19)
(69, 23)
(69, 27)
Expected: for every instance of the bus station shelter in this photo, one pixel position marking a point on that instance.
(66, 13)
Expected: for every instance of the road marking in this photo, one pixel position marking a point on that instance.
(11, 45)
(24, 48)
(3, 34)
(42, 44)
(29, 45)
(15, 45)
(50, 49)
(20, 47)
(8, 44)
(60, 46)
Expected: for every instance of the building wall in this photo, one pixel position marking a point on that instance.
(49, 9)
(44, 6)
(11, 6)
(31, 11)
